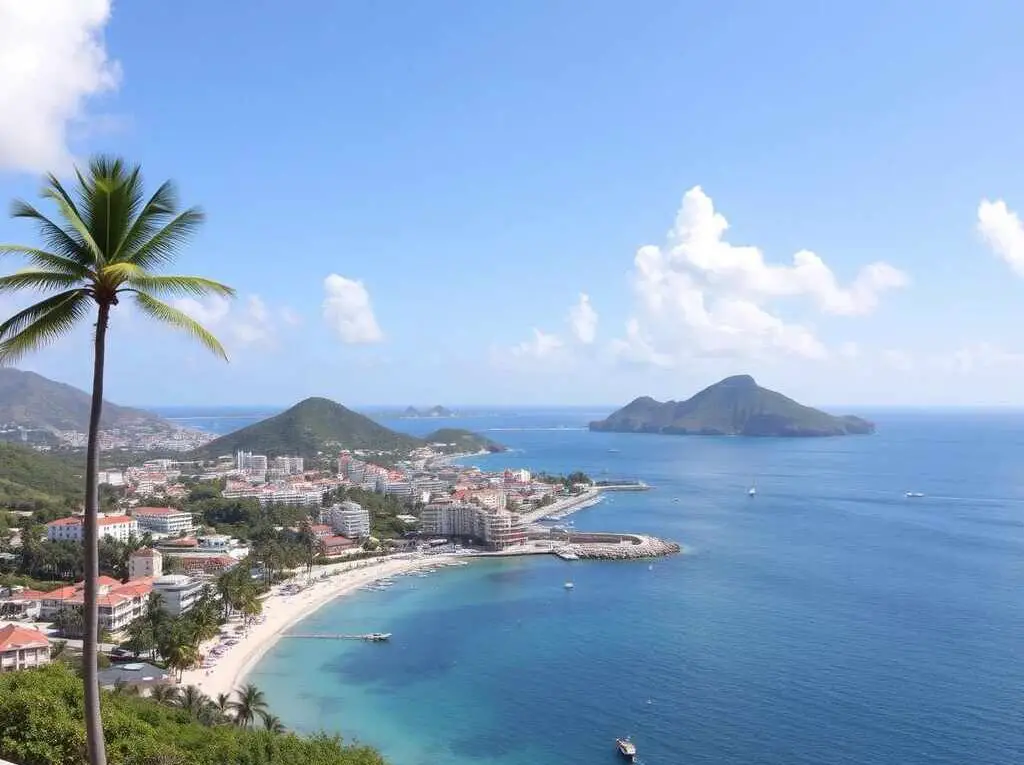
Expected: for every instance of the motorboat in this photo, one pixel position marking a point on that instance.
(569, 585)
(626, 748)
(913, 494)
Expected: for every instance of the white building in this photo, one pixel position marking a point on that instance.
(288, 465)
(145, 563)
(349, 519)
(119, 527)
(163, 520)
(178, 593)
(251, 463)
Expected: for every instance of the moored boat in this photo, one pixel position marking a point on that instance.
(626, 748)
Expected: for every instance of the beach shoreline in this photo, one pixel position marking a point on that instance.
(281, 611)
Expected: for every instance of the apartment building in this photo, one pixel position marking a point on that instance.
(119, 527)
(163, 520)
(178, 592)
(349, 519)
(288, 465)
(498, 529)
(145, 563)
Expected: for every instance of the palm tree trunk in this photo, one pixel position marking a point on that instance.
(93, 721)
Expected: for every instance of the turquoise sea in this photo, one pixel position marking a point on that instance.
(827, 620)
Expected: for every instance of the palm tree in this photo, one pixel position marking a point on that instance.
(181, 656)
(272, 723)
(193, 700)
(223, 703)
(164, 693)
(108, 244)
(250, 704)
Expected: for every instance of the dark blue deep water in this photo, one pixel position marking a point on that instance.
(828, 620)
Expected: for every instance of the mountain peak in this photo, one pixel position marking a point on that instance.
(735, 406)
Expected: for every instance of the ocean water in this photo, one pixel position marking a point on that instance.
(827, 620)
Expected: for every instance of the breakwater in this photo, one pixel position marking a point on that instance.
(595, 545)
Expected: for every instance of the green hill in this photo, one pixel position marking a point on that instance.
(34, 401)
(457, 440)
(735, 406)
(30, 479)
(312, 426)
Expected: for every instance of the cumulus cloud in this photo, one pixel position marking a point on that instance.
(583, 320)
(348, 311)
(249, 323)
(541, 346)
(701, 295)
(52, 60)
(1002, 229)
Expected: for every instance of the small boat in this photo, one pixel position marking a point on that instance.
(626, 748)
(913, 494)
(751, 492)
(377, 637)
(569, 585)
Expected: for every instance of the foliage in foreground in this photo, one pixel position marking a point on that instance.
(41, 723)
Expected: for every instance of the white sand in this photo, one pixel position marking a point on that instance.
(282, 611)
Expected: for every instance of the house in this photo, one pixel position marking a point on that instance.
(22, 648)
(163, 520)
(140, 675)
(119, 527)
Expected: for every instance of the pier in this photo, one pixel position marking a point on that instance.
(375, 637)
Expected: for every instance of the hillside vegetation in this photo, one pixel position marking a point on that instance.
(41, 723)
(31, 480)
(735, 406)
(312, 426)
(458, 440)
(31, 400)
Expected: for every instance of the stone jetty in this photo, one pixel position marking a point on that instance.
(616, 547)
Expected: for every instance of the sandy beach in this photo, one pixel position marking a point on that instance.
(281, 611)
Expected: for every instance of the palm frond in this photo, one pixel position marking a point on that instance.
(161, 206)
(63, 242)
(33, 279)
(198, 286)
(69, 211)
(171, 316)
(41, 324)
(44, 259)
(159, 249)
(110, 194)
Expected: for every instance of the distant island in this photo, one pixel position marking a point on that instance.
(735, 406)
(434, 411)
(462, 441)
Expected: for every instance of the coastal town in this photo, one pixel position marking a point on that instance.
(176, 527)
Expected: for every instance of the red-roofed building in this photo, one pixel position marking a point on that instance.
(119, 527)
(321, 530)
(163, 520)
(119, 604)
(206, 564)
(336, 545)
(22, 648)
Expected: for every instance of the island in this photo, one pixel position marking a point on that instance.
(735, 406)
(458, 440)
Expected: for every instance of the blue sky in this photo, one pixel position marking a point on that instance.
(411, 198)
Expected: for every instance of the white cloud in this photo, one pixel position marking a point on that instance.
(541, 346)
(1003, 231)
(289, 317)
(52, 60)
(703, 296)
(250, 323)
(583, 320)
(347, 311)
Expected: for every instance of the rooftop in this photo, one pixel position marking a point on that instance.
(13, 637)
(156, 511)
